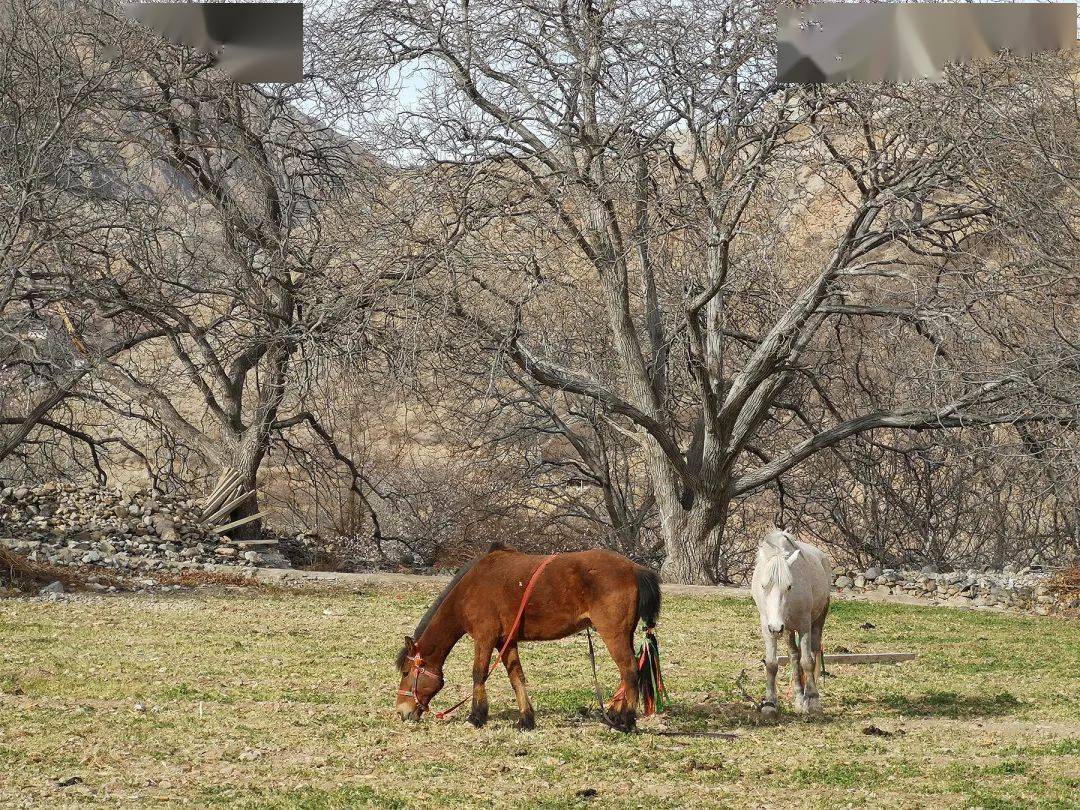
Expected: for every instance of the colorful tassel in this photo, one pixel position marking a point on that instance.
(651, 689)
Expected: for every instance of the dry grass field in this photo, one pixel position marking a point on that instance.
(284, 700)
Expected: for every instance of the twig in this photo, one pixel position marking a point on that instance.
(739, 685)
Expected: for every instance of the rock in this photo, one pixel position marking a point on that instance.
(225, 551)
(843, 582)
(165, 528)
(21, 493)
(52, 589)
(929, 568)
(860, 581)
(872, 573)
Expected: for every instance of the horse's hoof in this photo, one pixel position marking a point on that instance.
(526, 723)
(813, 707)
(769, 712)
(625, 722)
(478, 720)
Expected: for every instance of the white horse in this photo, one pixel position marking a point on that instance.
(791, 586)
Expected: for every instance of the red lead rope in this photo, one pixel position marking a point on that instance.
(512, 635)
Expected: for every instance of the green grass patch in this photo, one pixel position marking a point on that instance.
(282, 700)
(839, 775)
(947, 703)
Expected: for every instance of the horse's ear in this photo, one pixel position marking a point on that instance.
(410, 645)
(793, 556)
(779, 539)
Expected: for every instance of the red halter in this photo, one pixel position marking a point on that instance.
(419, 669)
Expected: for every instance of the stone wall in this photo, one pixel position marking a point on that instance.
(61, 524)
(1011, 588)
(144, 531)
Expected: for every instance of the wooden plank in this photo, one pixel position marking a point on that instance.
(858, 658)
(221, 493)
(235, 523)
(253, 543)
(228, 507)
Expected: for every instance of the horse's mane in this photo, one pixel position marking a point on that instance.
(399, 662)
(776, 569)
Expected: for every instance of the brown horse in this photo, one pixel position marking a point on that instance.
(600, 589)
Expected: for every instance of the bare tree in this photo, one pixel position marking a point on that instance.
(45, 94)
(222, 245)
(637, 156)
(629, 282)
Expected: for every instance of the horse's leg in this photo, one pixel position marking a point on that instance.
(620, 644)
(769, 707)
(811, 662)
(481, 657)
(798, 677)
(517, 680)
(816, 630)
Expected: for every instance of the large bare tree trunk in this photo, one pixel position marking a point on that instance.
(693, 545)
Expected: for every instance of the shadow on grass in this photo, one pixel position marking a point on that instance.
(731, 716)
(714, 713)
(951, 704)
(307, 797)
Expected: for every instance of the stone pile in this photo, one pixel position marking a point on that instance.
(301, 549)
(64, 524)
(1012, 587)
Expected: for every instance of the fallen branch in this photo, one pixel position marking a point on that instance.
(739, 685)
(859, 658)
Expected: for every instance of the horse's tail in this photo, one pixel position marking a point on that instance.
(648, 597)
(651, 689)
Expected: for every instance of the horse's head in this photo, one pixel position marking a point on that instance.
(419, 682)
(776, 584)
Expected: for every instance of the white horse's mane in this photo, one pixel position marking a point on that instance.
(775, 568)
(775, 548)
